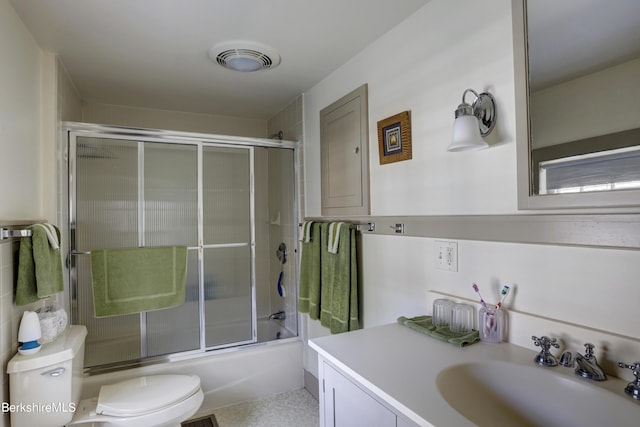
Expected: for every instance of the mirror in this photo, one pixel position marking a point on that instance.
(577, 66)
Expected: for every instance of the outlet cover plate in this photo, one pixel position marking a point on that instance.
(446, 255)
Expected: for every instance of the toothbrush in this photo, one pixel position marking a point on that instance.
(504, 293)
(475, 288)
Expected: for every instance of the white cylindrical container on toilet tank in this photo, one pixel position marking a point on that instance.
(29, 333)
(45, 387)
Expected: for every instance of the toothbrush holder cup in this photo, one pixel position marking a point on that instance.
(491, 324)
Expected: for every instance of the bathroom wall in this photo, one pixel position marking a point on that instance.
(20, 122)
(424, 65)
(20, 118)
(120, 115)
(572, 104)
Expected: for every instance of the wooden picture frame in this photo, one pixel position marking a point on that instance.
(394, 138)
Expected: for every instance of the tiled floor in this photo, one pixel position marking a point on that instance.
(292, 409)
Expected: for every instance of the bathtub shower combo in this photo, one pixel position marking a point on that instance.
(230, 200)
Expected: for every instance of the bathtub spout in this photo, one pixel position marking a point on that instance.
(280, 315)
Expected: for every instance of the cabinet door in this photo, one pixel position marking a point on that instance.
(344, 155)
(346, 405)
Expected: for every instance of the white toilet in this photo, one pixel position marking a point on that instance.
(45, 391)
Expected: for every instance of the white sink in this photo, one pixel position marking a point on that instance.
(508, 394)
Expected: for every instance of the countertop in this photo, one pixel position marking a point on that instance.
(400, 366)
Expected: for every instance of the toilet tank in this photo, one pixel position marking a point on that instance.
(44, 388)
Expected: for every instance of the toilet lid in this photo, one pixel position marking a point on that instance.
(143, 395)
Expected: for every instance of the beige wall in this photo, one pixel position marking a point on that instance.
(424, 65)
(20, 171)
(20, 120)
(289, 121)
(172, 120)
(593, 105)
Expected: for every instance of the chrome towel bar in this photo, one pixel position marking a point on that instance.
(5, 233)
(370, 226)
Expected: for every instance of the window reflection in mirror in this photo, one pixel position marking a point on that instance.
(584, 100)
(600, 171)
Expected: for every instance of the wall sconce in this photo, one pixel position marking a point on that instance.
(473, 122)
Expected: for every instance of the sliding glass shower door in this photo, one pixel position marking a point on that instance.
(228, 252)
(168, 215)
(134, 193)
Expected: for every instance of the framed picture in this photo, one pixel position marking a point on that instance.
(394, 138)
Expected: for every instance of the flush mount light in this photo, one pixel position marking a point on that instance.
(472, 122)
(244, 56)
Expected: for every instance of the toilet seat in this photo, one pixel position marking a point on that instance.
(144, 395)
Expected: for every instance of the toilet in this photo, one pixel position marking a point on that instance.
(45, 391)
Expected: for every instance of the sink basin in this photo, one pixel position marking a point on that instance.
(507, 394)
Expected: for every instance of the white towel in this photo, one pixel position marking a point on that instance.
(306, 236)
(334, 237)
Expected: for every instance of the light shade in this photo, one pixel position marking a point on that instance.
(472, 122)
(466, 135)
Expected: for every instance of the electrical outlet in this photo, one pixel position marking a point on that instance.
(446, 255)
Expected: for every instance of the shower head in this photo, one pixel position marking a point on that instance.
(278, 135)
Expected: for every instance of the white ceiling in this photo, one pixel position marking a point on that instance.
(154, 53)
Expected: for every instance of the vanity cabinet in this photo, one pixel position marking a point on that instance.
(344, 403)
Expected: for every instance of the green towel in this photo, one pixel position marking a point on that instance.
(424, 325)
(133, 280)
(39, 267)
(309, 299)
(339, 282)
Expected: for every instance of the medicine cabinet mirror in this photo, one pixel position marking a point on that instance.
(577, 74)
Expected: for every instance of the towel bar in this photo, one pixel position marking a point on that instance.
(370, 226)
(5, 233)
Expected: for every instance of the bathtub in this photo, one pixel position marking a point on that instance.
(232, 375)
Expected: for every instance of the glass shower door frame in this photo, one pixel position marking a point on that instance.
(202, 246)
(141, 139)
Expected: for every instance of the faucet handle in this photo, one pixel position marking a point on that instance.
(633, 388)
(545, 342)
(545, 358)
(635, 367)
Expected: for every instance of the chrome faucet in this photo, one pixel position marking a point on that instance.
(280, 315)
(587, 365)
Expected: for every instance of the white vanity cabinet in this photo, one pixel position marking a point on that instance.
(344, 403)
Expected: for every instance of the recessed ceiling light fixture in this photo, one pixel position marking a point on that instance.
(244, 56)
